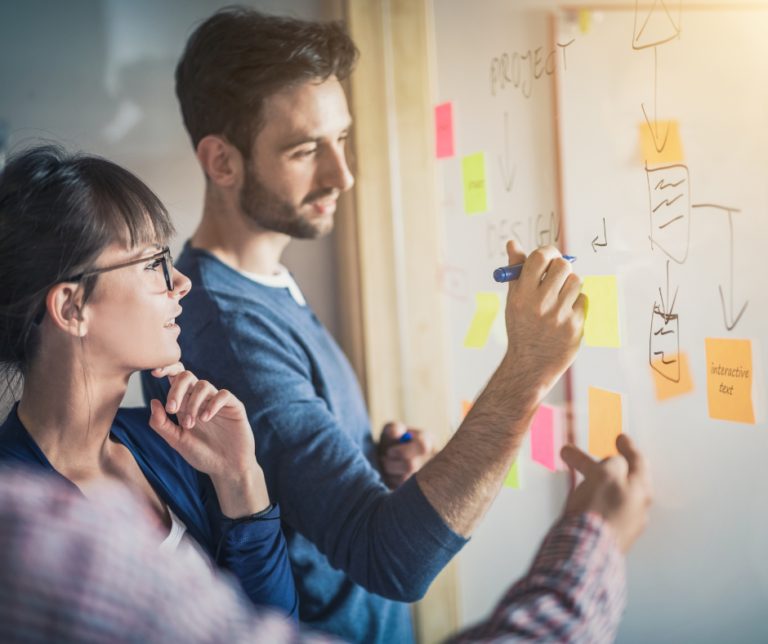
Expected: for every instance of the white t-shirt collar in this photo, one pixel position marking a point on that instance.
(281, 279)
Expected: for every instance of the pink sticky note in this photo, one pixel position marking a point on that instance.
(543, 437)
(560, 431)
(444, 130)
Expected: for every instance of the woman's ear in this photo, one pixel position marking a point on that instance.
(64, 305)
(221, 161)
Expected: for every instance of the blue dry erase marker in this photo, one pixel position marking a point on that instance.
(405, 438)
(509, 273)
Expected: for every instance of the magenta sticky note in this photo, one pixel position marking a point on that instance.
(444, 130)
(543, 437)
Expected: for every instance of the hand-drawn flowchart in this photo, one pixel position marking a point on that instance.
(669, 196)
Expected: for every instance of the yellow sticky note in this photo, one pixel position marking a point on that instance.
(729, 379)
(513, 478)
(666, 388)
(475, 184)
(604, 422)
(466, 405)
(601, 328)
(664, 135)
(585, 21)
(488, 306)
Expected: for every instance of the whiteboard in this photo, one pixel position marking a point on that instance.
(700, 572)
(513, 127)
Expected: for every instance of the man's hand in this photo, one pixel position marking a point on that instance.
(400, 460)
(618, 488)
(545, 322)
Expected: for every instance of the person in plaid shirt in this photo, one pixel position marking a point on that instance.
(75, 570)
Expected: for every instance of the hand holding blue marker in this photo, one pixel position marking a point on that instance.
(509, 273)
(405, 438)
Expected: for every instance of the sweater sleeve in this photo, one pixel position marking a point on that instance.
(392, 544)
(256, 554)
(575, 591)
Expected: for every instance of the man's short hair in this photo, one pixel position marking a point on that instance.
(239, 57)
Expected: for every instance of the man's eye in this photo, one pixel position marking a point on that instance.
(154, 264)
(306, 153)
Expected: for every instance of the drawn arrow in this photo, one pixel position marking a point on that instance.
(505, 164)
(729, 325)
(655, 127)
(605, 237)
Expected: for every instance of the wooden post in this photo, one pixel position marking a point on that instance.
(394, 221)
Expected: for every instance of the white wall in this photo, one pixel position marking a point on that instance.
(98, 75)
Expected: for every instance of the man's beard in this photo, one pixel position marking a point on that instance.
(266, 209)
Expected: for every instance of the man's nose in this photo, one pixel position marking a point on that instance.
(335, 172)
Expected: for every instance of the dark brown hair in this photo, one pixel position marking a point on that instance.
(239, 57)
(58, 212)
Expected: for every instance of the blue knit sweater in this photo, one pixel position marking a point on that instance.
(358, 551)
(254, 552)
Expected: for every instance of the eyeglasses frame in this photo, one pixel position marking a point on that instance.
(164, 255)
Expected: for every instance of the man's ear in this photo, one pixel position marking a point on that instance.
(64, 305)
(221, 161)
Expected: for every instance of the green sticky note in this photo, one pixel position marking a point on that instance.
(488, 305)
(513, 478)
(475, 184)
(601, 328)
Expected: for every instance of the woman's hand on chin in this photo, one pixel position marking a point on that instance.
(213, 436)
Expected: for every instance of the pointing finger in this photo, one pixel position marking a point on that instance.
(577, 459)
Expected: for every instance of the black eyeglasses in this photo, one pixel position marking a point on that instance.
(163, 256)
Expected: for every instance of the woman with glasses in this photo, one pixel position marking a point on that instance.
(88, 296)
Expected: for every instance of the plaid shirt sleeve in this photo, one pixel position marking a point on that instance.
(575, 591)
(75, 570)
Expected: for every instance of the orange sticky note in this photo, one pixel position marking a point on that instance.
(660, 143)
(666, 388)
(604, 422)
(729, 379)
(466, 405)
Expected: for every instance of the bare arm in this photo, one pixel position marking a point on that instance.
(545, 319)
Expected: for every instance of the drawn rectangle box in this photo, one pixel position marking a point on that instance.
(664, 345)
(669, 198)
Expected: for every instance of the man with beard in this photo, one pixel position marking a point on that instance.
(263, 104)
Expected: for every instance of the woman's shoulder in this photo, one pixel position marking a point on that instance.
(131, 425)
(16, 445)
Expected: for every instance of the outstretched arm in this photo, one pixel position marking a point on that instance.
(575, 591)
(545, 320)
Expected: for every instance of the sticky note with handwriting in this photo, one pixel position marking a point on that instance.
(543, 437)
(488, 306)
(681, 382)
(475, 183)
(729, 379)
(513, 477)
(604, 422)
(444, 130)
(660, 143)
(601, 328)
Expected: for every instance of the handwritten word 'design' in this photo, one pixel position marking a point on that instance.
(521, 70)
(729, 379)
